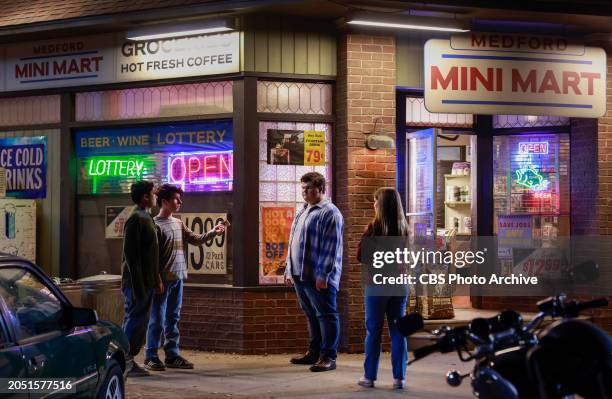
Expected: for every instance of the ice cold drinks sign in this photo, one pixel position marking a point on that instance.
(509, 74)
(25, 162)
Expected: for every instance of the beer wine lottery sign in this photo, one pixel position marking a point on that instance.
(490, 73)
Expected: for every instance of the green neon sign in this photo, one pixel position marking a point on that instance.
(531, 179)
(132, 166)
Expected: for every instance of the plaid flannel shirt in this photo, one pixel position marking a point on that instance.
(320, 244)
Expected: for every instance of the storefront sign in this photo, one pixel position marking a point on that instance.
(178, 57)
(111, 58)
(127, 166)
(484, 80)
(209, 136)
(25, 162)
(506, 42)
(276, 224)
(210, 257)
(116, 216)
(296, 147)
(18, 227)
(59, 62)
(200, 171)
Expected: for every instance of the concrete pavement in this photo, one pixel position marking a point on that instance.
(247, 377)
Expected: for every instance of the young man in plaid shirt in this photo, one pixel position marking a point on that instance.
(314, 266)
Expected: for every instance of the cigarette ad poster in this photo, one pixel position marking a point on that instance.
(276, 224)
(24, 160)
(18, 227)
(296, 147)
(116, 216)
(211, 256)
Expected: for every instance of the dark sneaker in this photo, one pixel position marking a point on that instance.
(178, 362)
(324, 364)
(308, 358)
(154, 364)
(138, 371)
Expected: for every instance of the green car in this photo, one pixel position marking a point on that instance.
(48, 344)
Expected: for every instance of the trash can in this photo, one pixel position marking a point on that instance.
(102, 292)
(71, 289)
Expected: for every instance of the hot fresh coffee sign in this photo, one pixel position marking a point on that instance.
(514, 75)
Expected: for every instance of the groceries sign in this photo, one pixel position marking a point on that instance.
(491, 73)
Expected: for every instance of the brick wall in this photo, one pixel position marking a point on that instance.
(365, 96)
(239, 321)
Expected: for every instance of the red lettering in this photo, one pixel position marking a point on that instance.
(73, 68)
(479, 42)
(85, 65)
(23, 71)
(464, 78)
(451, 78)
(547, 44)
(493, 41)
(527, 84)
(590, 76)
(475, 76)
(571, 79)
(549, 83)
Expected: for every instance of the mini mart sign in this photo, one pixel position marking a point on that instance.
(504, 74)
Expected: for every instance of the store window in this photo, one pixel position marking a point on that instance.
(514, 121)
(294, 98)
(417, 115)
(152, 102)
(531, 195)
(29, 110)
(287, 150)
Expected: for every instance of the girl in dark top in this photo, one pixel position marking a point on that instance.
(388, 221)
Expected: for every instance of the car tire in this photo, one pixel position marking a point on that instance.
(113, 386)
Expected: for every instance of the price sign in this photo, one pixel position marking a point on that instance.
(210, 257)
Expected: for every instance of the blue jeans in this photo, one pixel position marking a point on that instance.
(165, 316)
(376, 307)
(322, 314)
(136, 318)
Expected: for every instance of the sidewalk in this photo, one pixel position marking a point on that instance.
(236, 376)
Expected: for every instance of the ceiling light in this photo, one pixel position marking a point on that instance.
(179, 30)
(407, 22)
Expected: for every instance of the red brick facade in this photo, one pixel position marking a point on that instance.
(365, 96)
(242, 321)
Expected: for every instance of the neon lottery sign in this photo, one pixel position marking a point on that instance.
(202, 171)
(116, 167)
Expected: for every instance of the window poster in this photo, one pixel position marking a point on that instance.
(296, 147)
(24, 160)
(18, 227)
(211, 256)
(116, 216)
(276, 224)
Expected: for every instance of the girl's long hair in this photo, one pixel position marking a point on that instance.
(390, 219)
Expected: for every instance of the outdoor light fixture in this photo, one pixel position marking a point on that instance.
(379, 20)
(379, 139)
(179, 30)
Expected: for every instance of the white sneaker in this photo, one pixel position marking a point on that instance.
(364, 382)
(398, 384)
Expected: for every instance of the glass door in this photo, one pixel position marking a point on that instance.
(421, 183)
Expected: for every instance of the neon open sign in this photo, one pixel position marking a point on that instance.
(532, 147)
(202, 171)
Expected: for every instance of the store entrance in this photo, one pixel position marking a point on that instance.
(440, 187)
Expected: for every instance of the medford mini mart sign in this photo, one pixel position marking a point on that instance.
(490, 73)
(111, 58)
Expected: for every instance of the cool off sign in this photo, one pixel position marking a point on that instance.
(491, 74)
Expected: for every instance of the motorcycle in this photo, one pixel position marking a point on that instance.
(568, 357)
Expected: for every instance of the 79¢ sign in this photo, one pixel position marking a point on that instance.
(210, 257)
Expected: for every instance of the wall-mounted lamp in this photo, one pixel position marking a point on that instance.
(184, 29)
(381, 20)
(378, 139)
